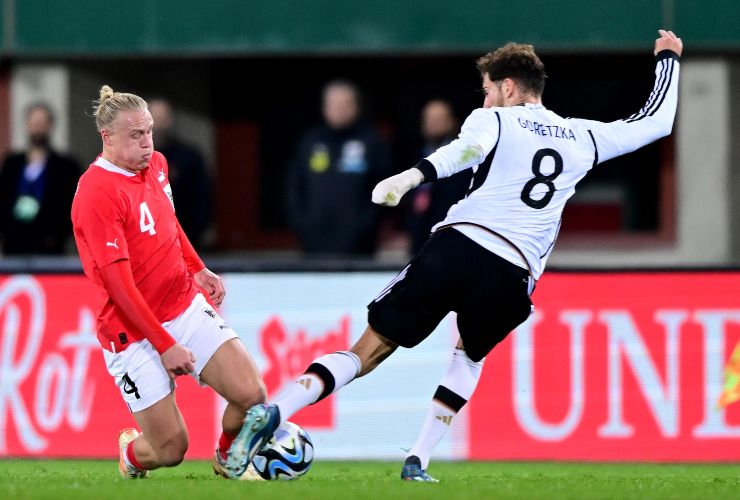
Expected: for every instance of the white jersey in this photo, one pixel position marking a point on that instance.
(528, 160)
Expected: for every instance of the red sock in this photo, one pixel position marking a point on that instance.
(131, 456)
(224, 442)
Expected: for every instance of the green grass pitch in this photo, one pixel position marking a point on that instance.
(80, 480)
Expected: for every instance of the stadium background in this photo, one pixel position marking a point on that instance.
(623, 359)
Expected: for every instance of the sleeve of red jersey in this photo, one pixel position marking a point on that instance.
(119, 282)
(194, 263)
(100, 219)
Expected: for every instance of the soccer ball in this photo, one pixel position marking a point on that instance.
(288, 455)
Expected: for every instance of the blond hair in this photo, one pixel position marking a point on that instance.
(109, 103)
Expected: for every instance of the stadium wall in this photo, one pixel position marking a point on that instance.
(32, 28)
(610, 367)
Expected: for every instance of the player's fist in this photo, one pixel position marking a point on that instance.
(389, 191)
(212, 284)
(178, 360)
(668, 41)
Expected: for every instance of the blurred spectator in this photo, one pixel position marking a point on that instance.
(332, 176)
(36, 191)
(430, 202)
(191, 187)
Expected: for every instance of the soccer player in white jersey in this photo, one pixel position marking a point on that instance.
(482, 261)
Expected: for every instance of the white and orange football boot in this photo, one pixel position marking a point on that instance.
(128, 471)
(219, 468)
(219, 465)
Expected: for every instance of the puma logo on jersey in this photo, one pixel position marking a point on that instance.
(161, 175)
(113, 243)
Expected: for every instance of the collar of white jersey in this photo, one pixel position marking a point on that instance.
(531, 105)
(106, 165)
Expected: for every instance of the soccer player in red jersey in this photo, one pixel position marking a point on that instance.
(153, 322)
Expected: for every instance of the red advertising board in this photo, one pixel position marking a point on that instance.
(56, 396)
(614, 367)
(610, 367)
(289, 354)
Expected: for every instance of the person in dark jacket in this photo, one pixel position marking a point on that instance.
(332, 176)
(431, 201)
(36, 191)
(189, 179)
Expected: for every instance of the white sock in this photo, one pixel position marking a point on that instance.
(324, 376)
(455, 389)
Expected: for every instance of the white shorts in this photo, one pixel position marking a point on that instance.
(138, 370)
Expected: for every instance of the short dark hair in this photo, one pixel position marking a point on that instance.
(518, 62)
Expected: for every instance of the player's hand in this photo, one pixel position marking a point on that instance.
(668, 41)
(212, 284)
(178, 360)
(388, 192)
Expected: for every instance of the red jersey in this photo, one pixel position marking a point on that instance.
(118, 215)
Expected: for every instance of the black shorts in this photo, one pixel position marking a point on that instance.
(453, 273)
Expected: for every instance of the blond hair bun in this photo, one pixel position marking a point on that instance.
(109, 103)
(105, 93)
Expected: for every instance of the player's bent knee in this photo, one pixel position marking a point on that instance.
(256, 393)
(171, 459)
(251, 394)
(172, 453)
(260, 394)
(172, 456)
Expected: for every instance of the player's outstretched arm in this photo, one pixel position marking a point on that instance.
(389, 192)
(668, 41)
(119, 282)
(655, 119)
(192, 260)
(477, 138)
(210, 282)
